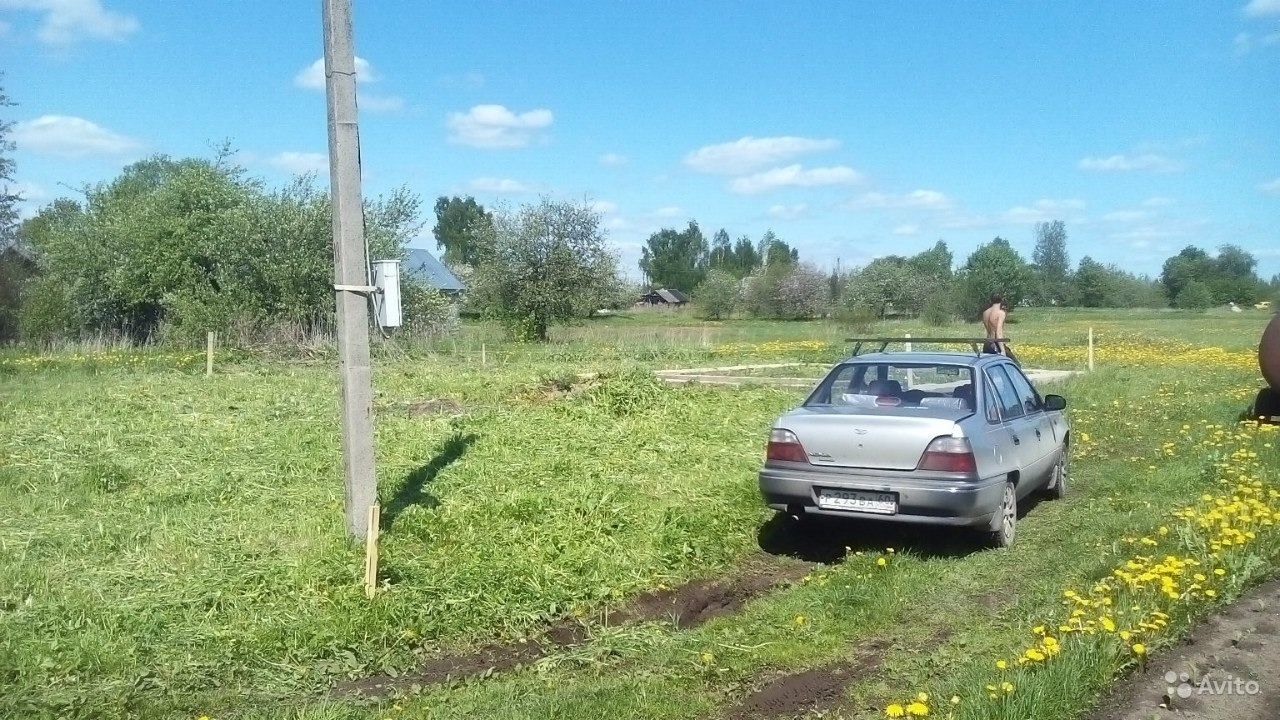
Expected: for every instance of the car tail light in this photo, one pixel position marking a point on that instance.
(784, 445)
(949, 454)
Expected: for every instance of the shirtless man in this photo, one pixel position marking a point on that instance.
(993, 320)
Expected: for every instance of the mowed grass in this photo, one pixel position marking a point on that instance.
(172, 545)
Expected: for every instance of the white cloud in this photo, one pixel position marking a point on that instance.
(66, 22)
(670, 211)
(788, 212)
(795, 176)
(312, 76)
(1043, 210)
(71, 137)
(1262, 8)
(1157, 201)
(1270, 188)
(494, 126)
(501, 186)
(381, 103)
(300, 163)
(747, 154)
(613, 160)
(906, 230)
(1126, 216)
(1150, 162)
(604, 207)
(916, 200)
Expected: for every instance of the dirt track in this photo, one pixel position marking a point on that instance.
(1228, 669)
(686, 606)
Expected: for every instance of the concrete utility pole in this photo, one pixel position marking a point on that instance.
(350, 269)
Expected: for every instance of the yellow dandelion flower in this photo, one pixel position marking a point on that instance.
(1138, 649)
(917, 709)
(881, 562)
(894, 711)
(1001, 664)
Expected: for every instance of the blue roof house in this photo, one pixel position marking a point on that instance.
(422, 265)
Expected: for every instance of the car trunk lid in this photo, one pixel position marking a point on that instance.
(880, 439)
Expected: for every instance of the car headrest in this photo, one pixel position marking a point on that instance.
(884, 387)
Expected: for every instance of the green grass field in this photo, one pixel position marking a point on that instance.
(171, 545)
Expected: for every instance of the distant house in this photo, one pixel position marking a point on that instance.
(424, 266)
(664, 296)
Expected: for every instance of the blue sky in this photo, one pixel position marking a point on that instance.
(853, 130)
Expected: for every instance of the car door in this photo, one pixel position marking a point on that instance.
(1038, 423)
(998, 455)
(1020, 431)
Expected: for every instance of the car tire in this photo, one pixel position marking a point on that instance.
(1007, 517)
(1059, 477)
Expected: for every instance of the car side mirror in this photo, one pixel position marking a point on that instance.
(1055, 402)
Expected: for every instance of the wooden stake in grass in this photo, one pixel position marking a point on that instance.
(208, 354)
(1090, 348)
(484, 355)
(371, 551)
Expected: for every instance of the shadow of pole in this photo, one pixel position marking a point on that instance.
(414, 489)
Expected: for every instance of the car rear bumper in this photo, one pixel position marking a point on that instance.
(925, 500)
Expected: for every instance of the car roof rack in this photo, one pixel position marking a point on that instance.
(974, 343)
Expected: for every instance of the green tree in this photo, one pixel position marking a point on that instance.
(1193, 295)
(935, 262)
(721, 255)
(993, 268)
(8, 199)
(172, 248)
(675, 259)
(549, 263)
(888, 282)
(1051, 262)
(463, 228)
(745, 257)
(1093, 284)
(773, 250)
(717, 296)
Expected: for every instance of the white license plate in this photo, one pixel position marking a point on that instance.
(858, 501)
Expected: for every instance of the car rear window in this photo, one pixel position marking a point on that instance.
(896, 384)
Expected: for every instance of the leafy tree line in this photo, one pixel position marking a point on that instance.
(931, 286)
(173, 248)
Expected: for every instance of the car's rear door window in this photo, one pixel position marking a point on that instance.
(991, 403)
(1027, 394)
(1010, 404)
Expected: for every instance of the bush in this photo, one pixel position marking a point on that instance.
(939, 309)
(856, 318)
(1194, 295)
(787, 292)
(427, 311)
(717, 296)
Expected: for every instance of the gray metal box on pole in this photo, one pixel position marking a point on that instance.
(386, 277)
(350, 268)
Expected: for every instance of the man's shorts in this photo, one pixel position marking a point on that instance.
(992, 348)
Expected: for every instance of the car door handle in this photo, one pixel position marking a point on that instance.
(1016, 440)
(1037, 433)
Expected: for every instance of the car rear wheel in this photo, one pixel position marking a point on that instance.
(1007, 517)
(1057, 487)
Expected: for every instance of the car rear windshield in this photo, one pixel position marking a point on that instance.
(896, 385)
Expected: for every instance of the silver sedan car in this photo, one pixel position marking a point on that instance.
(937, 438)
